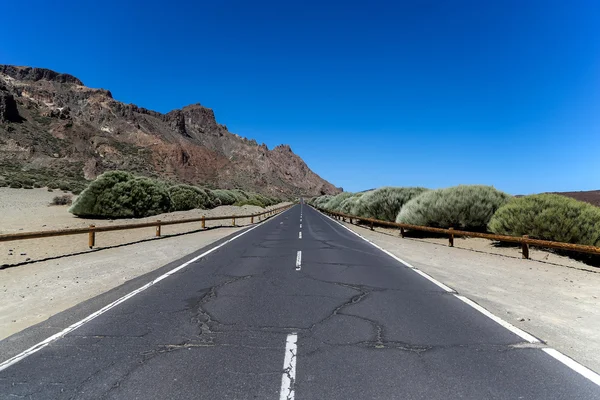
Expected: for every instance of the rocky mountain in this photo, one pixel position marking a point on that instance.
(52, 126)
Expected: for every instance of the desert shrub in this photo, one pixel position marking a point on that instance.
(385, 203)
(334, 203)
(186, 197)
(348, 204)
(320, 201)
(224, 196)
(213, 200)
(27, 187)
(15, 185)
(250, 202)
(549, 217)
(119, 194)
(63, 200)
(64, 186)
(239, 195)
(463, 207)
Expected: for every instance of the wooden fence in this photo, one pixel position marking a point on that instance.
(92, 230)
(524, 240)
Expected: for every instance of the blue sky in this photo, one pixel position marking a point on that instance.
(373, 93)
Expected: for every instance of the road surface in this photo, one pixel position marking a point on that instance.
(297, 307)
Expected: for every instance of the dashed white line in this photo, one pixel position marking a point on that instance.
(299, 235)
(37, 347)
(288, 377)
(299, 260)
(300, 226)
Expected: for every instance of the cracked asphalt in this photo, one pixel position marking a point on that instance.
(367, 328)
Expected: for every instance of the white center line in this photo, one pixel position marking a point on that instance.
(299, 260)
(288, 378)
(299, 235)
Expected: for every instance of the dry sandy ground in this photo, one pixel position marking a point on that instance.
(556, 300)
(24, 210)
(34, 291)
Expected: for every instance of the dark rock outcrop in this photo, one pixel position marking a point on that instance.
(8, 108)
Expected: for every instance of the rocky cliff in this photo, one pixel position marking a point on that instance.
(53, 125)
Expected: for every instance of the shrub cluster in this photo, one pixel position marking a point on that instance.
(335, 202)
(549, 217)
(385, 203)
(467, 207)
(187, 197)
(119, 194)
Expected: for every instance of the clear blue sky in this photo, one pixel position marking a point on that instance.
(371, 93)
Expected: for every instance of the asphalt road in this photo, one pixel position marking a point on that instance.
(256, 319)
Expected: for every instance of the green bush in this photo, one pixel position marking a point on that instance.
(64, 200)
(119, 194)
(224, 196)
(348, 204)
(239, 195)
(467, 207)
(320, 201)
(213, 200)
(186, 197)
(250, 202)
(549, 217)
(385, 203)
(335, 202)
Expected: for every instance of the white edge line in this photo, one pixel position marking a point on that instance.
(418, 271)
(299, 260)
(517, 331)
(288, 377)
(574, 365)
(37, 347)
(569, 362)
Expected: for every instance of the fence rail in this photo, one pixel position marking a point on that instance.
(525, 240)
(92, 229)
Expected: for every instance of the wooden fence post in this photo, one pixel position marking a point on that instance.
(233, 221)
(158, 228)
(525, 247)
(92, 237)
(252, 219)
(203, 223)
(401, 232)
(451, 238)
(372, 225)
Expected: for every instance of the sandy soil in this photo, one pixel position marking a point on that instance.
(555, 298)
(59, 273)
(24, 210)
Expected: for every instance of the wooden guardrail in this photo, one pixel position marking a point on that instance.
(524, 240)
(92, 229)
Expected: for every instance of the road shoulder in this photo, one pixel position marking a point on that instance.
(559, 305)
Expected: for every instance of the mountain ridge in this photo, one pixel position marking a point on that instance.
(50, 121)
